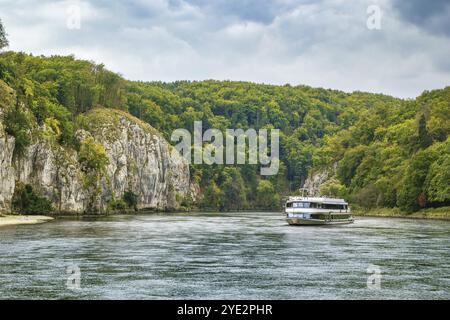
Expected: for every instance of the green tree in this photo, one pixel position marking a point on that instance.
(346, 169)
(131, 199)
(266, 196)
(367, 197)
(18, 125)
(3, 39)
(424, 140)
(7, 96)
(437, 184)
(92, 156)
(387, 187)
(212, 197)
(93, 159)
(333, 188)
(27, 201)
(234, 190)
(414, 179)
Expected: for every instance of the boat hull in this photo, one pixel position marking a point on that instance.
(317, 222)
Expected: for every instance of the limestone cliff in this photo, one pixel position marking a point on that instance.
(140, 161)
(317, 178)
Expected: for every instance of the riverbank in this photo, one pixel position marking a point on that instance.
(11, 220)
(442, 213)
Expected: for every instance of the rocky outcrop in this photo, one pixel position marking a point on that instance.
(317, 178)
(140, 161)
(56, 173)
(7, 172)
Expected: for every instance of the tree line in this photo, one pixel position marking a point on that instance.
(383, 151)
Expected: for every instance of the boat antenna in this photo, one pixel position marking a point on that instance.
(304, 192)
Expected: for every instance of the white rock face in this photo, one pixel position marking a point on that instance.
(55, 172)
(316, 179)
(7, 173)
(140, 160)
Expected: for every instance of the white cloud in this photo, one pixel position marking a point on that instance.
(323, 43)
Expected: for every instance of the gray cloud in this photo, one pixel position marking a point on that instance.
(320, 43)
(433, 16)
(262, 11)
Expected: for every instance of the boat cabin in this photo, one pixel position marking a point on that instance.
(316, 205)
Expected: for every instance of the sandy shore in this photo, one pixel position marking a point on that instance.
(17, 220)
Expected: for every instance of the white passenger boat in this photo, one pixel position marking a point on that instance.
(317, 211)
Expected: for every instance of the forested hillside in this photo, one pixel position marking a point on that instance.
(389, 152)
(394, 156)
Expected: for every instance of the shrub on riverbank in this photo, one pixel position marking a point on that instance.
(126, 203)
(27, 201)
(429, 213)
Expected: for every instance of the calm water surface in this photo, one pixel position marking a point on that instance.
(224, 256)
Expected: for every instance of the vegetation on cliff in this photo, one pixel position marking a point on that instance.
(27, 201)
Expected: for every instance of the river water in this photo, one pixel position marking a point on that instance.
(249, 255)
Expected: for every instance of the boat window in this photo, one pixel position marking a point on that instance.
(301, 204)
(314, 205)
(333, 206)
(289, 204)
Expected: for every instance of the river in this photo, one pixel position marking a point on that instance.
(249, 255)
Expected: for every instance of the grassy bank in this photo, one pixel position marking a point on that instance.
(429, 213)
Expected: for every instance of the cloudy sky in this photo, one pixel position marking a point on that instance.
(324, 43)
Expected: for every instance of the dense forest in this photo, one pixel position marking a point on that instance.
(393, 156)
(381, 151)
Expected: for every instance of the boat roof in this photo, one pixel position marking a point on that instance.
(317, 199)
